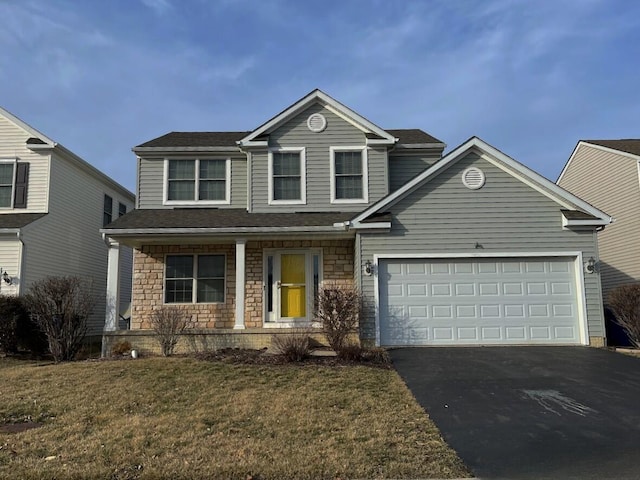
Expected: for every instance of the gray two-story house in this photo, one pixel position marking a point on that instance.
(241, 229)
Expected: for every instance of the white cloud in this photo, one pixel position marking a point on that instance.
(160, 7)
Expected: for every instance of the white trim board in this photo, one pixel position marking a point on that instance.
(502, 161)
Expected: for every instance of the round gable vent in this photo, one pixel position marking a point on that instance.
(316, 122)
(473, 178)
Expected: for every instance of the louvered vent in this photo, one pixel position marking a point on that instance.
(473, 178)
(316, 122)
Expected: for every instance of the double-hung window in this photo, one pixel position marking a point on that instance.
(349, 175)
(107, 210)
(7, 178)
(287, 172)
(194, 279)
(197, 181)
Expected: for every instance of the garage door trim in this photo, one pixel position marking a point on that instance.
(578, 273)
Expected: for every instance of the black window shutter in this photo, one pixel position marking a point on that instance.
(22, 180)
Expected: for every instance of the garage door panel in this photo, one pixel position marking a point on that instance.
(484, 301)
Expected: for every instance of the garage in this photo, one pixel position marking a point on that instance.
(479, 301)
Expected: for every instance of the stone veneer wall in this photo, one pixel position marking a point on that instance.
(148, 279)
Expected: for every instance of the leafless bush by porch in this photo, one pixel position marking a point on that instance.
(121, 348)
(61, 307)
(338, 310)
(625, 303)
(168, 323)
(294, 346)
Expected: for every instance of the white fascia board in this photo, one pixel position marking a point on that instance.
(316, 95)
(10, 231)
(182, 231)
(254, 144)
(139, 150)
(370, 225)
(28, 128)
(517, 169)
(376, 141)
(582, 143)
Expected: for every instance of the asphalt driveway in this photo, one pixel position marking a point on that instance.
(532, 412)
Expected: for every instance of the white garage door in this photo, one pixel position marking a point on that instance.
(478, 301)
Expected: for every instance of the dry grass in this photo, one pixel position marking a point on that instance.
(185, 418)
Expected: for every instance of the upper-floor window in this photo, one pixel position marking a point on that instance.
(197, 180)
(122, 209)
(107, 211)
(7, 179)
(194, 279)
(349, 175)
(287, 176)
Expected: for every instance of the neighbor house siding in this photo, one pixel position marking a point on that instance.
(151, 180)
(403, 167)
(505, 215)
(339, 132)
(10, 262)
(67, 241)
(609, 181)
(13, 145)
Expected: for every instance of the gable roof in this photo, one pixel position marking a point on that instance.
(330, 103)
(629, 148)
(565, 199)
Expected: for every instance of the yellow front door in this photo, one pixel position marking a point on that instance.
(293, 289)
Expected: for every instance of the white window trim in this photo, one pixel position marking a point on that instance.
(14, 161)
(227, 193)
(194, 292)
(365, 176)
(303, 176)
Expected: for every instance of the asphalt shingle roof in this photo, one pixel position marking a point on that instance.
(229, 139)
(577, 215)
(628, 145)
(19, 220)
(222, 218)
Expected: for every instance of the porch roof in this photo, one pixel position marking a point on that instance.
(213, 219)
(18, 220)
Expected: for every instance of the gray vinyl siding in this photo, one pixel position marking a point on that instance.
(339, 132)
(403, 168)
(610, 182)
(67, 241)
(151, 181)
(13, 145)
(506, 215)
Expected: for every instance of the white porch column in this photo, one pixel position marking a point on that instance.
(240, 282)
(113, 287)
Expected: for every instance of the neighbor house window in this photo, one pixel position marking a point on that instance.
(7, 177)
(107, 210)
(348, 175)
(198, 180)
(287, 176)
(122, 209)
(194, 279)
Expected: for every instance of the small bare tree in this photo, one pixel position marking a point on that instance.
(338, 309)
(168, 323)
(61, 307)
(625, 303)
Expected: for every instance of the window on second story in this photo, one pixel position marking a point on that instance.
(107, 211)
(287, 183)
(197, 180)
(6, 184)
(122, 209)
(349, 175)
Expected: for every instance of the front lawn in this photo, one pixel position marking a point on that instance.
(186, 418)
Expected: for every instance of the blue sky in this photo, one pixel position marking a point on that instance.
(530, 77)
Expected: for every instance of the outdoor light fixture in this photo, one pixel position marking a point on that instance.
(368, 268)
(6, 277)
(590, 265)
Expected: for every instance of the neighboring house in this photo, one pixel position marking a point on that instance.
(606, 173)
(52, 206)
(240, 229)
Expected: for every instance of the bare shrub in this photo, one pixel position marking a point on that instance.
(168, 323)
(377, 355)
(294, 346)
(121, 347)
(350, 352)
(11, 313)
(61, 307)
(624, 301)
(338, 310)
